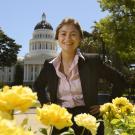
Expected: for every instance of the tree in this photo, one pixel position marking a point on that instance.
(118, 29)
(18, 77)
(87, 45)
(8, 50)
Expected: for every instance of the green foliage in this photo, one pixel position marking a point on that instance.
(18, 78)
(8, 50)
(69, 132)
(118, 29)
(88, 45)
(126, 125)
(117, 6)
(24, 122)
(43, 131)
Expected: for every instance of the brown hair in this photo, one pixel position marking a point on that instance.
(69, 21)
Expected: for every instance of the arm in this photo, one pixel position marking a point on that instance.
(115, 77)
(40, 85)
(111, 75)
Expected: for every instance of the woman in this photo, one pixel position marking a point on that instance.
(70, 79)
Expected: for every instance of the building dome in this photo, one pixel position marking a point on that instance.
(43, 24)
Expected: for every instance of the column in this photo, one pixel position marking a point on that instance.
(33, 73)
(24, 74)
(27, 78)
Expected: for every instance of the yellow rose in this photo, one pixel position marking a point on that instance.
(108, 110)
(120, 102)
(4, 106)
(18, 97)
(8, 127)
(54, 115)
(87, 121)
(6, 88)
(127, 108)
(5, 115)
(21, 131)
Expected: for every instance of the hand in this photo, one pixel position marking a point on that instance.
(95, 109)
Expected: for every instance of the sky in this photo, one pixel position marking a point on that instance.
(19, 17)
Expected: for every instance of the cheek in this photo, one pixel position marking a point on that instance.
(78, 40)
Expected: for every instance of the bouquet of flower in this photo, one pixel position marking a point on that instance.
(59, 117)
(118, 117)
(15, 98)
(21, 98)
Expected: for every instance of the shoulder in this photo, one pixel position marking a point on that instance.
(49, 61)
(91, 57)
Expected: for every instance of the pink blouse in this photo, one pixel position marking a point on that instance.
(69, 88)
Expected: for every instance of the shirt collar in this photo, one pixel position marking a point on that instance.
(58, 58)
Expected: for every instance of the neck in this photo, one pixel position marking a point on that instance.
(67, 57)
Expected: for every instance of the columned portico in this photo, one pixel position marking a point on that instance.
(42, 46)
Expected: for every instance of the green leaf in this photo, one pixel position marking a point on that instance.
(36, 104)
(43, 131)
(24, 122)
(115, 121)
(70, 131)
(29, 129)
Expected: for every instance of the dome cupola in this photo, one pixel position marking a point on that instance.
(43, 24)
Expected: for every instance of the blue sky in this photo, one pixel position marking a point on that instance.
(19, 17)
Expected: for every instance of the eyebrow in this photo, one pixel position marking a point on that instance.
(66, 31)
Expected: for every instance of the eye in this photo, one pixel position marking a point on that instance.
(62, 34)
(73, 34)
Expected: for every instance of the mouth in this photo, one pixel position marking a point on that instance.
(68, 44)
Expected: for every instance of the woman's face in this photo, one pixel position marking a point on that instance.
(69, 38)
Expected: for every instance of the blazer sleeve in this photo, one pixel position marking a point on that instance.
(115, 77)
(40, 85)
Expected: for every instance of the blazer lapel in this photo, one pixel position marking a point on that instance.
(53, 83)
(83, 70)
(86, 77)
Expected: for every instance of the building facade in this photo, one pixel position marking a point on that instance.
(7, 74)
(42, 46)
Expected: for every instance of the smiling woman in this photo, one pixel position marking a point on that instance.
(68, 38)
(70, 80)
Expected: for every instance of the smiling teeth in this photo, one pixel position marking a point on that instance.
(68, 44)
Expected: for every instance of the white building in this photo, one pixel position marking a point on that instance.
(42, 46)
(7, 73)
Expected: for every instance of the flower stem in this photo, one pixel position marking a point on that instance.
(51, 129)
(83, 131)
(12, 114)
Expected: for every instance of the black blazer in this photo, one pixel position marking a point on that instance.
(90, 70)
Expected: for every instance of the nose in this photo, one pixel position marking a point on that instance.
(68, 37)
